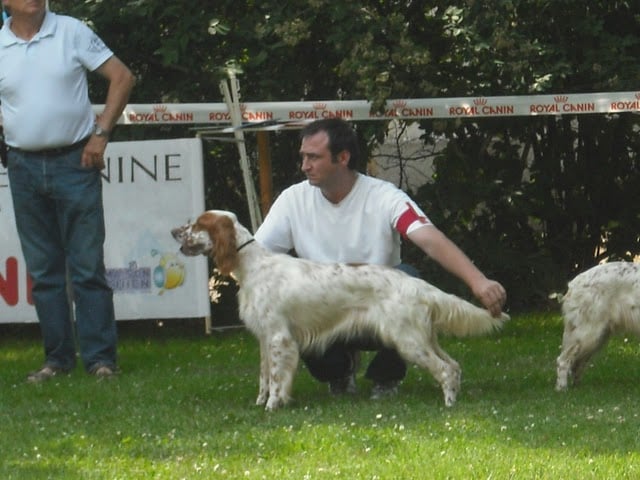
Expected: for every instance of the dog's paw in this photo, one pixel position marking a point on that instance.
(449, 399)
(276, 402)
(563, 377)
(450, 383)
(565, 382)
(273, 404)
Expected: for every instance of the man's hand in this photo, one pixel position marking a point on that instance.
(93, 153)
(491, 294)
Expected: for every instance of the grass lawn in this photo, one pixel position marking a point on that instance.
(183, 407)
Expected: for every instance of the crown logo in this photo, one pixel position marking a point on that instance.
(399, 104)
(319, 106)
(243, 107)
(560, 99)
(160, 108)
(638, 96)
(479, 101)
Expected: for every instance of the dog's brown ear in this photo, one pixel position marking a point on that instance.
(223, 236)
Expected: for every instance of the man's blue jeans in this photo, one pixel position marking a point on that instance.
(60, 221)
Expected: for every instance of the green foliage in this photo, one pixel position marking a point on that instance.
(535, 201)
(532, 200)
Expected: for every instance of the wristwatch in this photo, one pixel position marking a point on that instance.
(98, 131)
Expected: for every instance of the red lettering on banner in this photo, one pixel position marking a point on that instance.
(337, 114)
(392, 113)
(302, 115)
(29, 290)
(561, 105)
(544, 108)
(498, 110)
(177, 117)
(401, 110)
(160, 116)
(316, 114)
(143, 117)
(579, 107)
(463, 111)
(9, 284)
(220, 116)
(259, 116)
(417, 112)
(625, 105)
(557, 104)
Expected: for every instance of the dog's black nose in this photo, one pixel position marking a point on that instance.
(177, 233)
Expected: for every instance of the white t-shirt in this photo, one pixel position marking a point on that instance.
(365, 227)
(43, 83)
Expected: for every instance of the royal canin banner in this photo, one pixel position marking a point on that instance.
(149, 187)
(264, 115)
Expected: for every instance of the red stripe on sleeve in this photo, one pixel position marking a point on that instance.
(407, 219)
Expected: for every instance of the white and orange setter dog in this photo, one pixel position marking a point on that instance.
(601, 301)
(293, 305)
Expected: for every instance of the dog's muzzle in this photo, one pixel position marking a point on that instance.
(192, 242)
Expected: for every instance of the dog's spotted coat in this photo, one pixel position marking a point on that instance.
(602, 301)
(294, 305)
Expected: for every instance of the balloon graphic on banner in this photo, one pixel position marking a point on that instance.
(169, 273)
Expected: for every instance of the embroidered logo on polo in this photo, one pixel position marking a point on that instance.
(97, 45)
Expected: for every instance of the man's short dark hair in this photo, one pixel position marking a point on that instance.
(341, 137)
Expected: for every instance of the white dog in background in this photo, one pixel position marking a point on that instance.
(293, 305)
(602, 301)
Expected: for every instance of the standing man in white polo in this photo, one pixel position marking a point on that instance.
(56, 148)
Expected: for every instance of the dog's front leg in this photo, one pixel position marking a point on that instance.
(283, 362)
(263, 392)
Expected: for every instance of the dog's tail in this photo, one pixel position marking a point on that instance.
(452, 315)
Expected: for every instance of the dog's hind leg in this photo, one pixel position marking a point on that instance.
(564, 363)
(443, 368)
(283, 362)
(579, 344)
(442, 354)
(263, 392)
(452, 386)
(587, 353)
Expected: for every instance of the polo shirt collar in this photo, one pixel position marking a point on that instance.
(47, 29)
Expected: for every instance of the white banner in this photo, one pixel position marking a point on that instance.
(273, 115)
(149, 188)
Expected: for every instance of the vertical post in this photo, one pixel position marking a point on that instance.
(231, 93)
(264, 170)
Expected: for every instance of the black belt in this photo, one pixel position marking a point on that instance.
(51, 152)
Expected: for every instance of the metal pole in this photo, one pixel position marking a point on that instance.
(264, 171)
(232, 99)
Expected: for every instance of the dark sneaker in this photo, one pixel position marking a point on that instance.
(385, 389)
(45, 373)
(103, 371)
(346, 385)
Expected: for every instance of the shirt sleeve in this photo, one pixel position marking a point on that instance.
(410, 219)
(275, 232)
(91, 50)
(404, 215)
